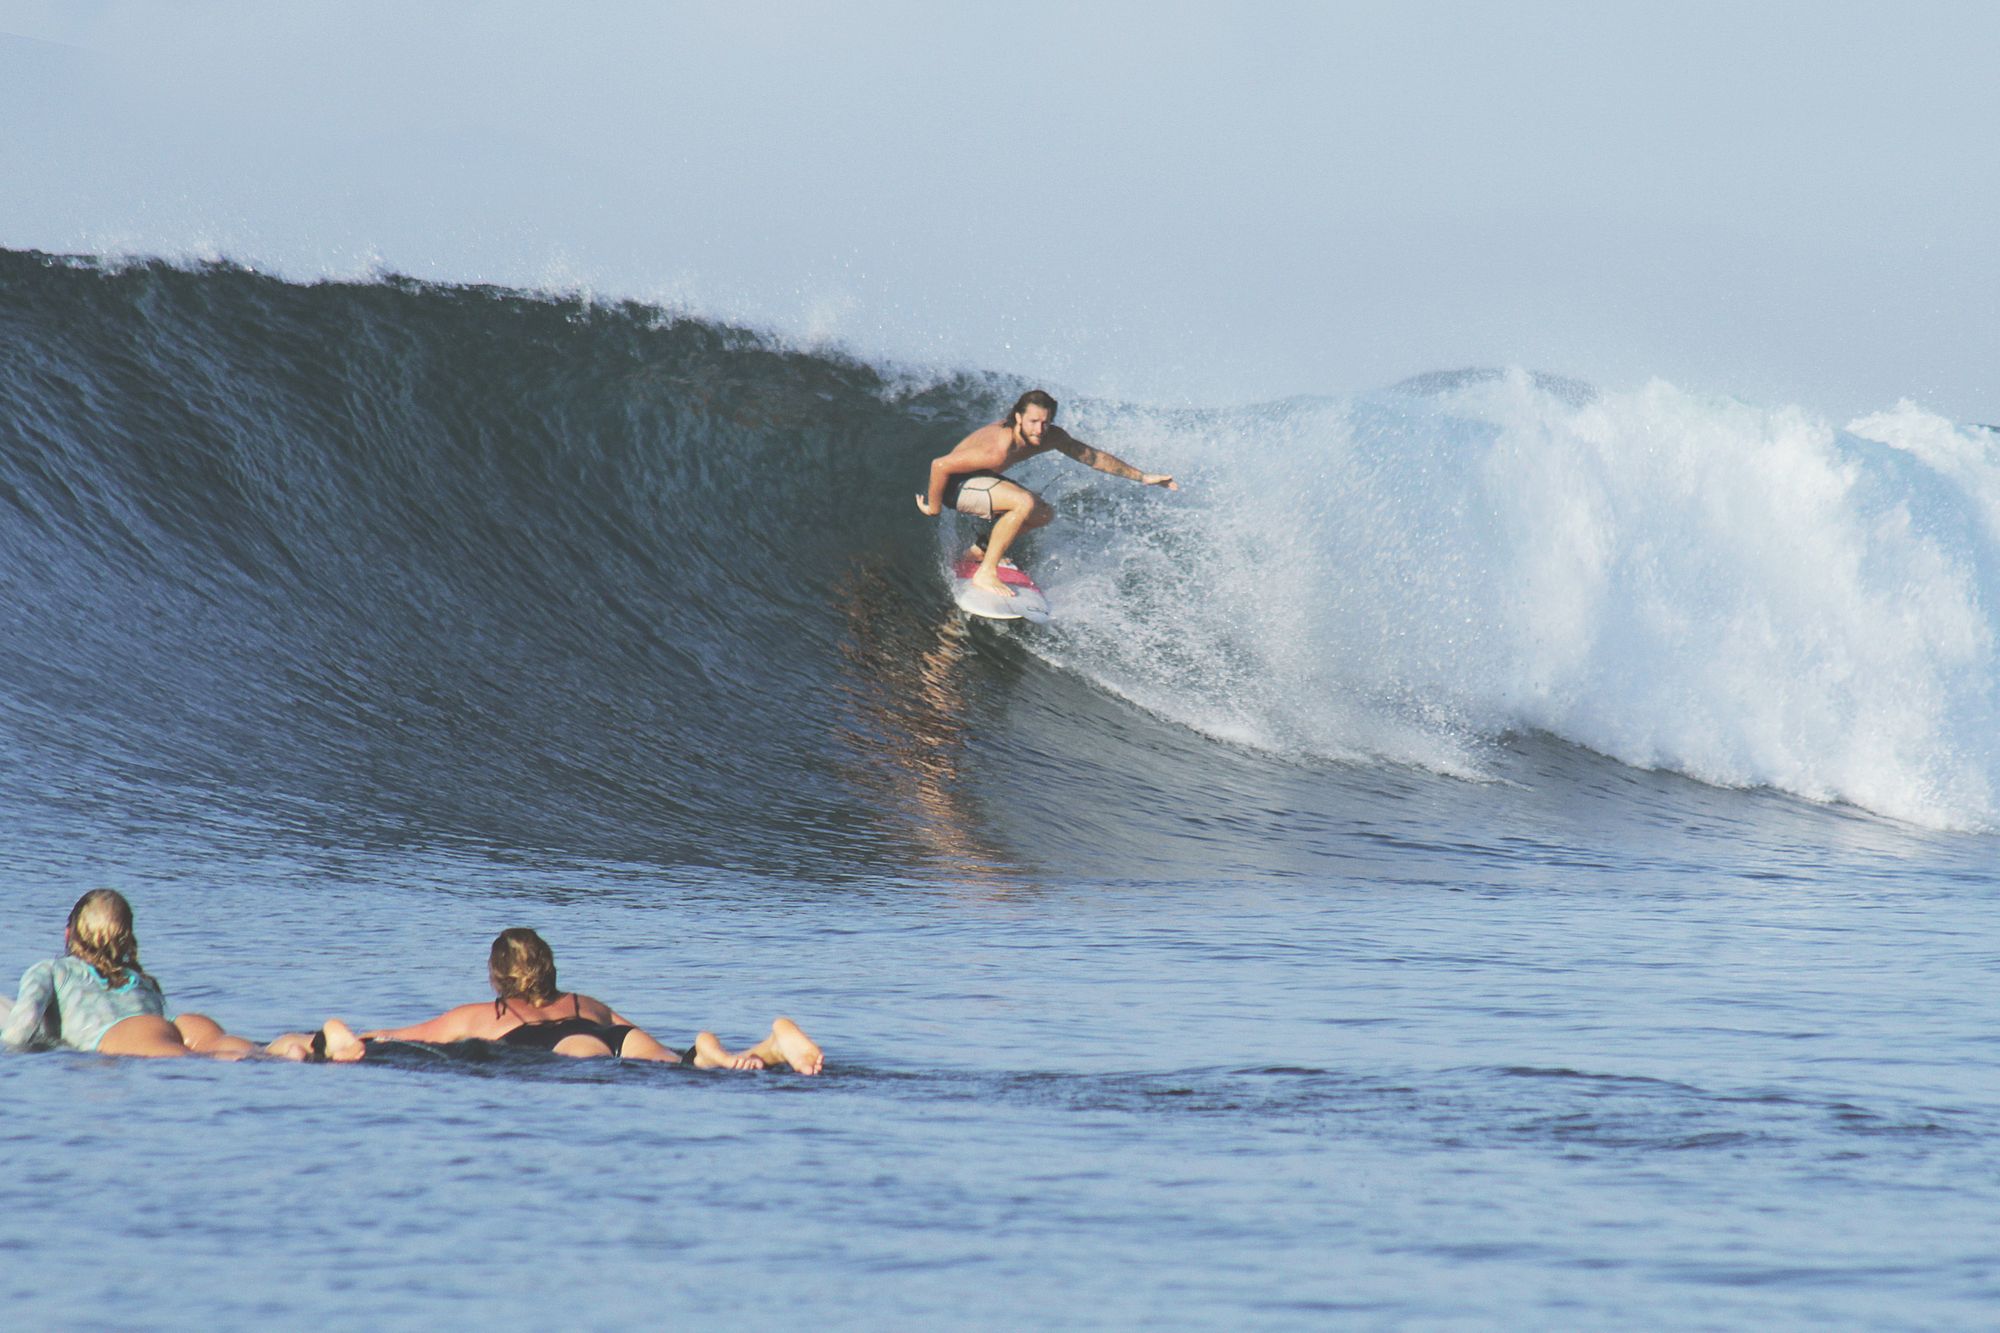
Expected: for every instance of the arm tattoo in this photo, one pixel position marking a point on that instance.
(1117, 467)
(1103, 462)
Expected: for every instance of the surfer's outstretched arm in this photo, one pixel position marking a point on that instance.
(1106, 462)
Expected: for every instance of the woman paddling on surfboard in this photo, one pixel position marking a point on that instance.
(97, 998)
(530, 1012)
(968, 478)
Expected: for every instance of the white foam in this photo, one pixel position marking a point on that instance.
(1742, 594)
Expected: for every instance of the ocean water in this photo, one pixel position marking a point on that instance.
(1491, 852)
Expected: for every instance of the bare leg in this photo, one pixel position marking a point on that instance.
(788, 1045)
(710, 1053)
(1014, 508)
(291, 1046)
(987, 576)
(204, 1036)
(785, 1045)
(642, 1045)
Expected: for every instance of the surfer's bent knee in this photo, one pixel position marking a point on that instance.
(1009, 496)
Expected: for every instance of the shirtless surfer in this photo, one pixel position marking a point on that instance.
(968, 478)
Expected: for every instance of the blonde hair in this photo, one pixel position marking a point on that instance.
(521, 963)
(100, 933)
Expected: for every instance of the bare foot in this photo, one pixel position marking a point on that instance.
(291, 1046)
(333, 1042)
(710, 1053)
(801, 1052)
(976, 551)
(989, 579)
(341, 1043)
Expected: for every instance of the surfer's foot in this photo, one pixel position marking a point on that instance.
(709, 1053)
(976, 551)
(989, 579)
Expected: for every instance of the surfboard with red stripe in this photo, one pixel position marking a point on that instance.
(1028, 603)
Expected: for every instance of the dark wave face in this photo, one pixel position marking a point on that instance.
(425, 564)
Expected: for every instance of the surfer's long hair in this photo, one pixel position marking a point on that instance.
(522, 964)
(101, 934)
(1032, 398)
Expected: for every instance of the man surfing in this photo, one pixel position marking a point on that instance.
(968, 478)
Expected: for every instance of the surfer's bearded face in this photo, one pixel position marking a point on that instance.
(1031, 421)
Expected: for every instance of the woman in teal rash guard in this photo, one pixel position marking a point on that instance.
(97, 998)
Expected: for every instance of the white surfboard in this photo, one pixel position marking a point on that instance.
(1028, 603)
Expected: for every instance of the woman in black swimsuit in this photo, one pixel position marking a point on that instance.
(531, 1012)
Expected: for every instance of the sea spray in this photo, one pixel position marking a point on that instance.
(1746, 595)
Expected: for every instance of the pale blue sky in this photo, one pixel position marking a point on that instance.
(1168, 202)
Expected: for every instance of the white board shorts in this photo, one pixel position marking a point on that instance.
(972, 493)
